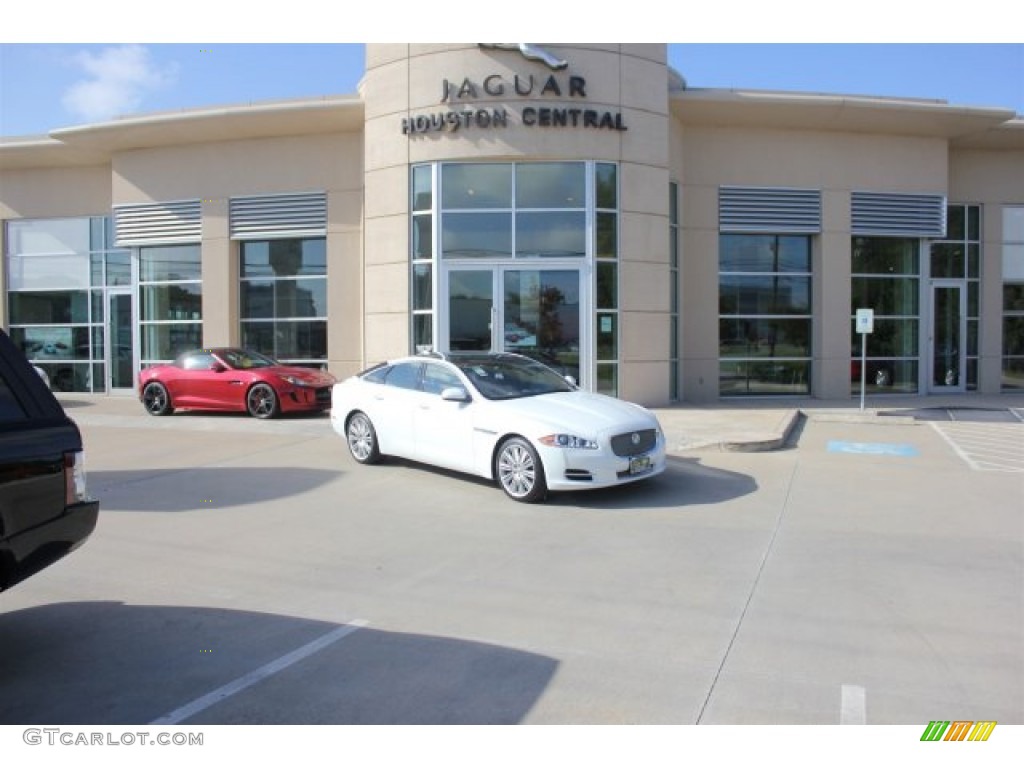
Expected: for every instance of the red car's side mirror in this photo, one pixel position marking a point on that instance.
(218, 368)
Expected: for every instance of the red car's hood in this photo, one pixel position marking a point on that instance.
(308, 375)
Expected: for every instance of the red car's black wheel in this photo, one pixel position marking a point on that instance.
(262, 402)
(156, 400)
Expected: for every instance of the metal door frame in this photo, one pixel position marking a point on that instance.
(498, 270)
(108, 341)
(961, 374)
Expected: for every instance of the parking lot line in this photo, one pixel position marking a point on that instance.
(852, 706)
(250, 679)
(985, 447)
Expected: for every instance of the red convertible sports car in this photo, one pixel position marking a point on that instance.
(230, 379)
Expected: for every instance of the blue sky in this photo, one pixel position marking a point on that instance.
(48, 86)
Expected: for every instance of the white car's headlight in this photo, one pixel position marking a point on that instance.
(568, 441)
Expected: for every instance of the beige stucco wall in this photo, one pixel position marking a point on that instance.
(43, 193)
(708, 157)
(407, 80)
(216, 171)
(992, 179)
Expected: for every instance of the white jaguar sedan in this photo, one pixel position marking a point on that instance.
(501, 416)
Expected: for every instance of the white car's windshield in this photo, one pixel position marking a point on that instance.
(506, 377)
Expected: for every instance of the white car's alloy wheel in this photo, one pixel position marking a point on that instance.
(362, 439)
(520, 472)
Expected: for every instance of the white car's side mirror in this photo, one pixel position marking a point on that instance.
(455, 395)
(572, 381)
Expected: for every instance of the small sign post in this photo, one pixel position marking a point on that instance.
(865, 325)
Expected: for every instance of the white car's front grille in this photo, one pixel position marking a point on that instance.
(634, 443)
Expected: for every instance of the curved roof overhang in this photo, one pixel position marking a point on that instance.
(848, 114)
(96, 143)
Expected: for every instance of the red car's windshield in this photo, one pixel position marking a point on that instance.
(243, 360)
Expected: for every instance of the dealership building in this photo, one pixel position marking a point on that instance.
(577, 203)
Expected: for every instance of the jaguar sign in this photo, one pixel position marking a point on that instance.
(463, 97)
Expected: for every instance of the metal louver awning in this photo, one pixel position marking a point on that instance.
(898, 215)
(295, 215)
(157, 223)
(769, 210)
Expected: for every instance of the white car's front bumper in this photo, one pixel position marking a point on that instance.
(570, 469)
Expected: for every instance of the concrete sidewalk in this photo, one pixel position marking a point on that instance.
(764, 424)
(760, 424)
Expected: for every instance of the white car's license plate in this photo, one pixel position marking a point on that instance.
(639, 464)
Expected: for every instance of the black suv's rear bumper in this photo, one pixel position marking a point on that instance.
(31, 551)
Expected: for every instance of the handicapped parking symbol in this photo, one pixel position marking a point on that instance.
(872, 449)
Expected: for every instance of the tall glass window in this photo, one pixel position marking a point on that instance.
(1013, 298)
(56, 273)
(495, 225)
(885, 278)
(283, 298)
(958, 257)
(606, 269)
(764, 325)
(170, 301)
(499, 210)
(422, 257)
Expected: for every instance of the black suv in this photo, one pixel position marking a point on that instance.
(45, 511)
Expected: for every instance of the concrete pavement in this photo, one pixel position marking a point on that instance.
(733, 589)
(759, 424)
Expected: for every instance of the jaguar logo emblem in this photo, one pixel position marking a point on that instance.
(531, 52)
(635, 438)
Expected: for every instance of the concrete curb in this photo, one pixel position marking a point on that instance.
(780, 436)
(776, 438)
(791, 419)
(867, 417)
(756, 440)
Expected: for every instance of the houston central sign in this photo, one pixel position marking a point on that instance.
(464, 113)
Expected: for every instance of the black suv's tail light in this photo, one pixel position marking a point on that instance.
(74, 478)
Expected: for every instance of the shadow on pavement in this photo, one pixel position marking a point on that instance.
(191, 488)
(685, 482)
(111, 663)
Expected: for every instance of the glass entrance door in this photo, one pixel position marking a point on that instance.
(537, 313)
(948, 333)
(120, 341)
(541, 316)
(470, 320)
